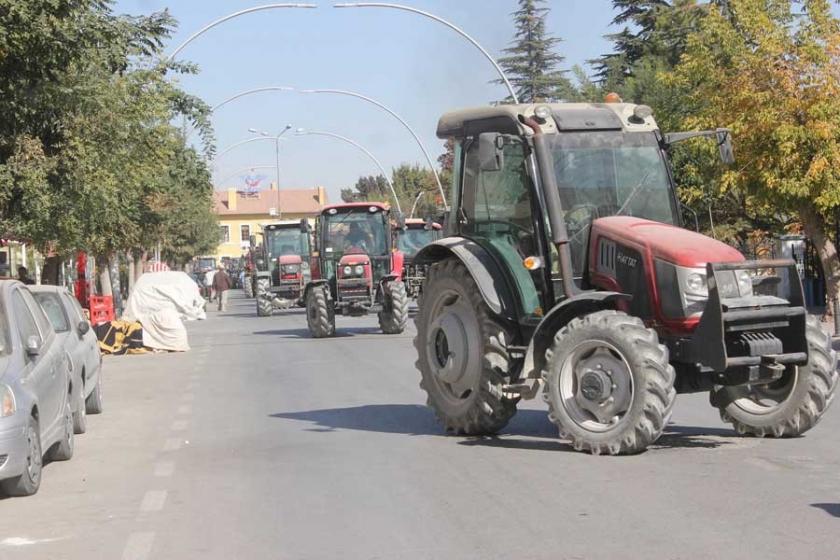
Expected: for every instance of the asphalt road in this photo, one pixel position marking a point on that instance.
(261, 443)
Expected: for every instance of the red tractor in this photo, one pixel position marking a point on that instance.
(566, 267)
(411, 238)
(356, 269)
(281, 265)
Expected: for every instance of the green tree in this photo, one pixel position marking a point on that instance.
(532, 63)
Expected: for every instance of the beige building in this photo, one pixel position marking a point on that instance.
(240, 214)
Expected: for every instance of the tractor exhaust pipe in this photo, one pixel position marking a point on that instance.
(551, 194)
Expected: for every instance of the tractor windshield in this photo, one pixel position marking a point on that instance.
(411, 240)
(606, 173)
(356, 231)
(287, 241)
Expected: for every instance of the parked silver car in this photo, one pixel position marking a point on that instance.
(80, 346)
(35, 388)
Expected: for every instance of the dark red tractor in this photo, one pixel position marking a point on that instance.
(566, 267)
(356, 269)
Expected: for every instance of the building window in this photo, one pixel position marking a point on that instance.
(244, 233)
(224, 234)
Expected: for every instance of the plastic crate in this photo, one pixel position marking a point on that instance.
(101, 309)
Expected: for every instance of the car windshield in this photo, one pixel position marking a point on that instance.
(358, 230)
(52, 307)
(411, 240)
(287, 241)
(613, 173)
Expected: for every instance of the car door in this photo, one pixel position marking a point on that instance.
(40, 371)
(89, 343)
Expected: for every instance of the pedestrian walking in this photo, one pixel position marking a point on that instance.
(23, 276)
(208, 283)
(221, 283)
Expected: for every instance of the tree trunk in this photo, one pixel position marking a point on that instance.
(812, 223)
(139, 263)
(51, 271)
(131, 274)
(114, 269)
(103, 266)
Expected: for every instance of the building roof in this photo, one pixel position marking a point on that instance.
(290, 201)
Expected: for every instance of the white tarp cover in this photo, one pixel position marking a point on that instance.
(155, 291)
(164, 330)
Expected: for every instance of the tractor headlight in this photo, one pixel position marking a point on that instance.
(683, 291)
(348, 270)
(360, 270)
(7, 401)
(695, 282)
(291, 268)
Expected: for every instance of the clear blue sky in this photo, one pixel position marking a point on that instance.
(416, 66)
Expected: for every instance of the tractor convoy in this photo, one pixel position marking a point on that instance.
(564, 271)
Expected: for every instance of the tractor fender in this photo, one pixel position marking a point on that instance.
(311, 285)
(558, 317)
(483, 268)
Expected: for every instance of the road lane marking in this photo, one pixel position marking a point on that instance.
(185, 409)
(164, 468)
(179, 425)
(23, 541)
(139, 546)
(172, 444)
(153, 500)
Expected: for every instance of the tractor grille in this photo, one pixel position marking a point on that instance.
(606, 257)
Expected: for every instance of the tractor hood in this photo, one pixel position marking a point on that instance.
(289, 259)
(669, 243)
(354, 259)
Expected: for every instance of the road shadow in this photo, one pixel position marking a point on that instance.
(304, 333)
(833, 509)
(528, 430)
(255, 316)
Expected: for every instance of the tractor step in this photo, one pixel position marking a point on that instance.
(525, 390)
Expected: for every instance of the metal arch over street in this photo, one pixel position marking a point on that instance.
(363, 149)
(242, 143)
(357, 95)
(219, 21)
(448, 24)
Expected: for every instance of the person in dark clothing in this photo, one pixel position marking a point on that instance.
(221, 284)
(23, 276)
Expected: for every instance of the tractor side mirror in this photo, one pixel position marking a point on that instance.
(304, 225)
(430, 224)
(490, 154)
(727, 152)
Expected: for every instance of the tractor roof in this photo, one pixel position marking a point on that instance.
(567, 117)
(351, 205)
(281, 224)
(415, 222)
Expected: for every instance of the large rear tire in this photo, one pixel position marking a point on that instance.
(790, 406)
(461, 353)
(248, 287)
(319, 313)
(263, 295)
(29, 481)
(394, 315)
(608, 383)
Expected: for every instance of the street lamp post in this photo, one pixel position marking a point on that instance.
(304, 132)
(448, 24)
(276, 139)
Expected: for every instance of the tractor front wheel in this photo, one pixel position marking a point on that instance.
(248, 287)
(263, 295)
(461, 353)
(790, 406)
(608, 383)
(320, 316)
(394, 314)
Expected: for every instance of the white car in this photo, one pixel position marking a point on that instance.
(81, 348)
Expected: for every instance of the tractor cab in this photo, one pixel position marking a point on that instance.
(411, 238)
(356, 268)
(282, 265)
(565, 267)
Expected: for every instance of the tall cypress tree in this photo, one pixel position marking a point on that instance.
(532, 63)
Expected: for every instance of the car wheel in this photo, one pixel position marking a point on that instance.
(63, 450)
(94, 400)
(30, 480)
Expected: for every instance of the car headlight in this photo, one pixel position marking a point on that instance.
(7, 401)
(360, 270)
(348, 270)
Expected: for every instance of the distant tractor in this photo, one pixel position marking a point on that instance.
(281, 265)
(565, 267)
(356, 269)
(410, 239)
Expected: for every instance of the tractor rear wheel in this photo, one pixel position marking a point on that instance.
(394, 314)
(790, 406)
(320, 316)
(608, 383)
(461, 353)
(263, 295)
(248, 287)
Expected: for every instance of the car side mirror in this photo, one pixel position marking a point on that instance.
(33, 346)
(490, 155)
(83, 327)
(727, 152)
(304, 225)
